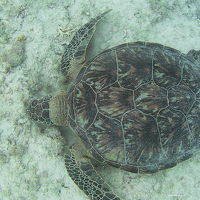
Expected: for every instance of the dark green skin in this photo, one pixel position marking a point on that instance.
(135, 106)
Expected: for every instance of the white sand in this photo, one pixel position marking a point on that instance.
(31, 157)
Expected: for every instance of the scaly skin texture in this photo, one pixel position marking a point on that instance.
(85, 176)
(135, 106)
(75, 51)
(80, 169)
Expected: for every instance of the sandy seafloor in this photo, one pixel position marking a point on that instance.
(31, 37)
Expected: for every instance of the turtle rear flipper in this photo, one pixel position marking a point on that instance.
(76, 50)
(85, 176)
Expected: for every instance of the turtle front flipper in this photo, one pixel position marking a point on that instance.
(85, 176)
(76, 50)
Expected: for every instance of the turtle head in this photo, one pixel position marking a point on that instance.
(38, 110)
(49, 110)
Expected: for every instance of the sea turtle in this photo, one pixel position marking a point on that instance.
(135, 106)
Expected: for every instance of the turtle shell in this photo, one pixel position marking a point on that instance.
(137, 106)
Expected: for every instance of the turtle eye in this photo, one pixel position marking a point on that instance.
(45, 114)
(34, 103)
(45, 105)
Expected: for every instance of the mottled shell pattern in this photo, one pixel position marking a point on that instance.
(137, 106)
